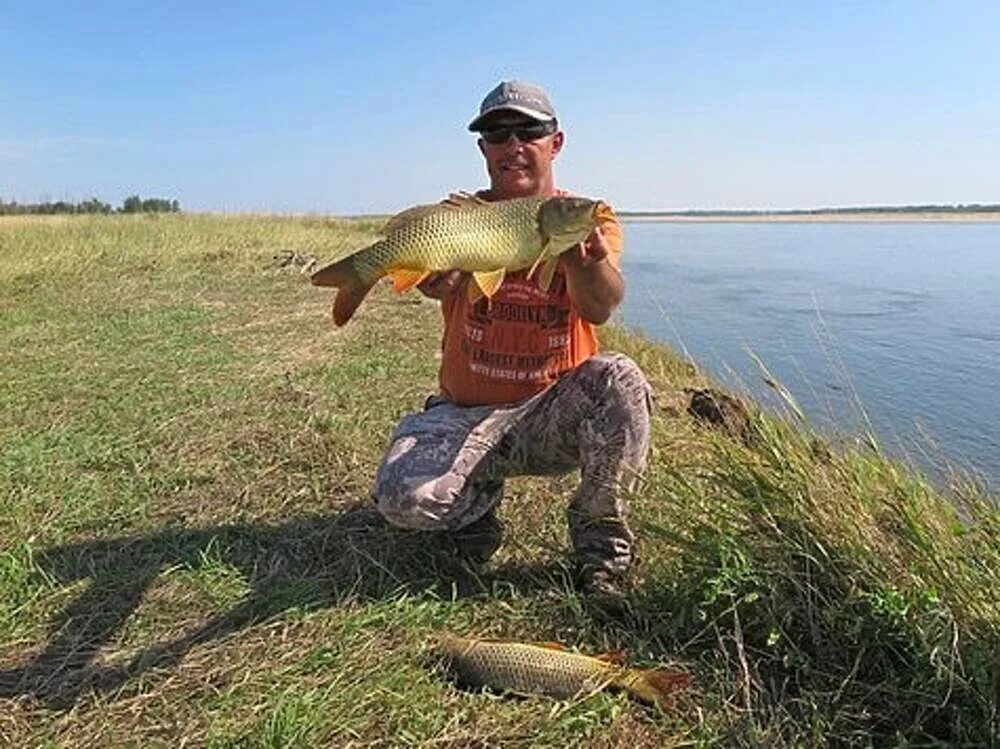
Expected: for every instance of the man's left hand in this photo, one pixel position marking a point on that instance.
(591, 251)
(595, 286)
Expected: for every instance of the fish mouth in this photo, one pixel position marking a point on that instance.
(602, 212)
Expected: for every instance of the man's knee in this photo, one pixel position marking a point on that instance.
(615, 378)
(624, 368)
(414, 501)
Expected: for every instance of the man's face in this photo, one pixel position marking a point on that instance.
(518, 169)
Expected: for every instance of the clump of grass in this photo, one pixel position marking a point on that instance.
(836, 595)
(188, 553)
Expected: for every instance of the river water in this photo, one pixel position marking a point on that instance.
(892, 327)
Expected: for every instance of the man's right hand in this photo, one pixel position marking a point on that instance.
(441, 285)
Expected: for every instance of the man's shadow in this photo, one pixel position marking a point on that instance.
(307, 563)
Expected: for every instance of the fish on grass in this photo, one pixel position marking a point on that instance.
(551, 669)
(464, 233)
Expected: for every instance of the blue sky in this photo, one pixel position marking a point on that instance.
(361, 107)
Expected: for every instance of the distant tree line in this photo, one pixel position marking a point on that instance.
(131, 204)
(959, 208)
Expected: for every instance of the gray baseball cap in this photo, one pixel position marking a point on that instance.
(517, 96)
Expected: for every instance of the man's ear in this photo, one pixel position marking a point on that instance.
(557, 142)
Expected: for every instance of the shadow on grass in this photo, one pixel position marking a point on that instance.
(308, 563)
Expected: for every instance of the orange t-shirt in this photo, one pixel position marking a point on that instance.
(519, 342)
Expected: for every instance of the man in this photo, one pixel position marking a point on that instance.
(523, 390)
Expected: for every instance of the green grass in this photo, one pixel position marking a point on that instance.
(188, 553)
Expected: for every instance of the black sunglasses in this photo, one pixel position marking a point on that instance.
(524, 132)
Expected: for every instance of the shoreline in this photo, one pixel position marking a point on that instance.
(832, 218)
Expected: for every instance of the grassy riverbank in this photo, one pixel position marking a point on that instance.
(187, 553)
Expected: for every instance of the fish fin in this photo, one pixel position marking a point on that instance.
(489, 281)
(403, 218)
(656, 685)
(351, 288)
(334, 274)
(550, 645)
(453, 201)
(462, 199)
(616, 657)
(548, 273)
(404, 280)
(472, 292)
(347, 301)
(544, 253)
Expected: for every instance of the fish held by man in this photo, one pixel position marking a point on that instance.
(464, 232)
(551, 669)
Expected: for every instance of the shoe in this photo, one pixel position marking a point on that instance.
(606, 591)
(479, 541)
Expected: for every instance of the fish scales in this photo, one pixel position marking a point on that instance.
(480, 238)
(527, 668)
(552, 670)
(466, 234)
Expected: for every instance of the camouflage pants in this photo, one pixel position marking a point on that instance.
(446, 465)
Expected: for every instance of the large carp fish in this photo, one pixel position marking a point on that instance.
(464, 232)
(550, 669)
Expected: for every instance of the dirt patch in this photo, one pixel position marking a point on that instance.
(718, 409)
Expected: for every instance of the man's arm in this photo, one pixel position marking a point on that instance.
(594, 285)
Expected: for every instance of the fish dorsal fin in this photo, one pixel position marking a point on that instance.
(454, 200)
(617, 657)
(410, 215)
(462, 199)
(548, 273)
(403, 280)
(550, 645)
(489, 281)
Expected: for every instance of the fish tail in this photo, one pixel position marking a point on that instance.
(656, 686)
(352, 286)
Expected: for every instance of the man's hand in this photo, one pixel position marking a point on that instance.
(595, 285)
(441, 285)
(594, 249)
